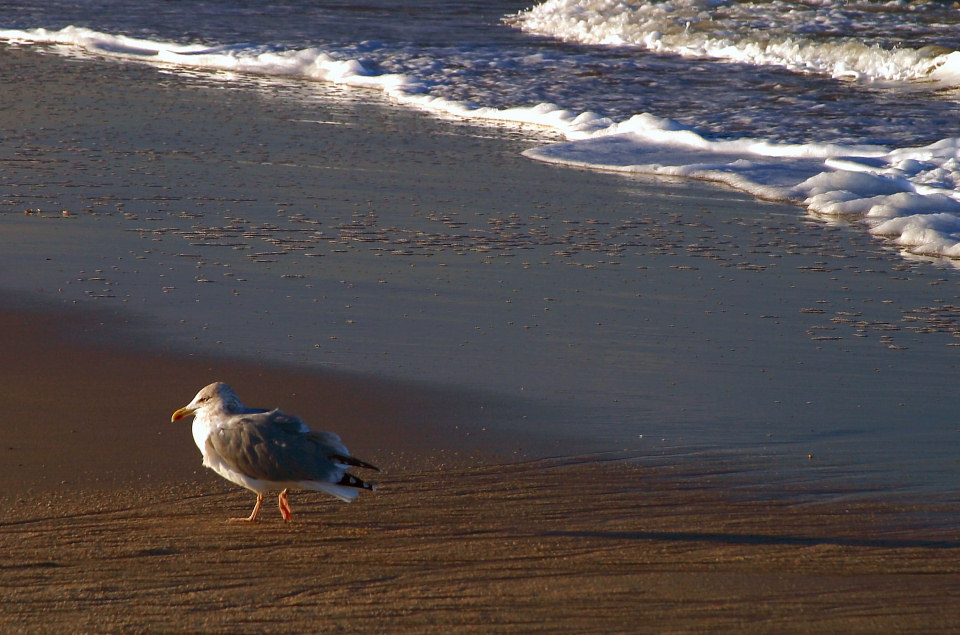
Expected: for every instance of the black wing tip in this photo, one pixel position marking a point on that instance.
(354, 462)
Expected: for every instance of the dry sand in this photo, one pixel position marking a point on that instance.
(574, 545)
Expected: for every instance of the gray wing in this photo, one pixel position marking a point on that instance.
(275, 446)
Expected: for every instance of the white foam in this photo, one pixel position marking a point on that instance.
(760, 33)
(910, 196)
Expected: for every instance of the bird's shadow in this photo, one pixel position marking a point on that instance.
(761, 539)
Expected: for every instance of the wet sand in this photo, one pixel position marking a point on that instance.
(579, 544)
(87, 409)
(538, 547)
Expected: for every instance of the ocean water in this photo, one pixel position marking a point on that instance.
(821, 323)
(846, 109)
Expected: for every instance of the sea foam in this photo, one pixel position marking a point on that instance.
(758, 33)
(908, 196)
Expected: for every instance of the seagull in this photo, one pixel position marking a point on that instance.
(269, 450)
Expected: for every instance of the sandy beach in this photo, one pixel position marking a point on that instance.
(115, 532)
(109, 524)
(670, 408)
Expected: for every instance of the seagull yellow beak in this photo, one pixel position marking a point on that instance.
(183, 412)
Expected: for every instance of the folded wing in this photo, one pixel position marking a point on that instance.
(275, 446)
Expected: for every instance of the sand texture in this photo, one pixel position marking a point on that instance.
(571, 547)
(110, 531)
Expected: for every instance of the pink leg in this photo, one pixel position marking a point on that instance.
(285, 506)
(253, 515)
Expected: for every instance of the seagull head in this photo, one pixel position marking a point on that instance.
(216, 397)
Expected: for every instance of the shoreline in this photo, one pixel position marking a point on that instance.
(570, 312)
(603, 404)
(723, 467)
